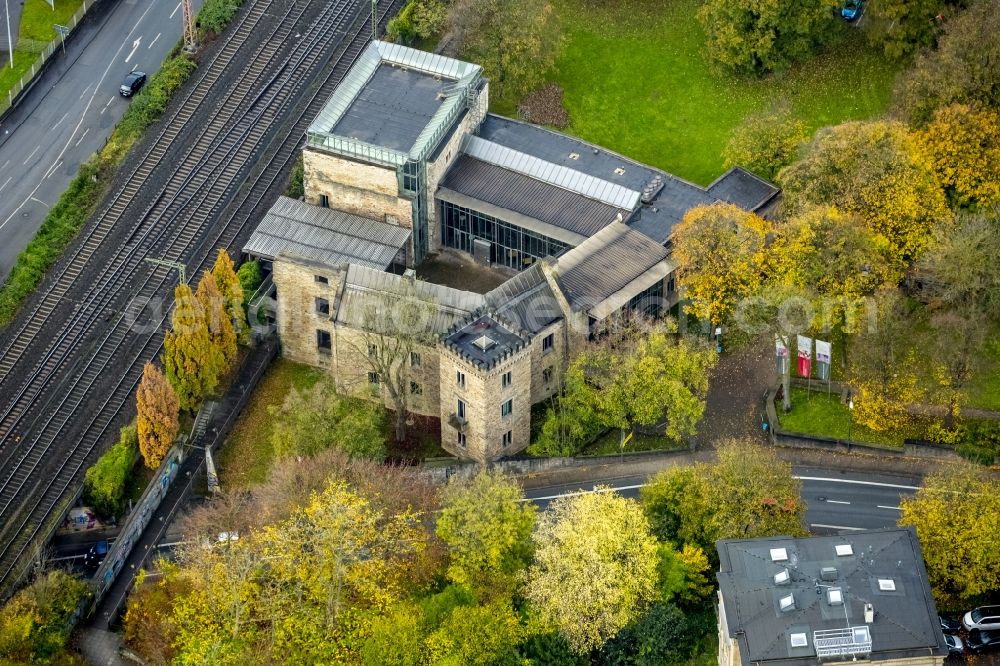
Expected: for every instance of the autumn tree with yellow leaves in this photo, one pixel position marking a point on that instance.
(234, 300)
(962, 146)
(193, 361)
(157, 415)
(217, 318)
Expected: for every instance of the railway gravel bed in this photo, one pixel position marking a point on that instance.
(202, 178)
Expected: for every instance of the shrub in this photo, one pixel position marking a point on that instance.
(766, 142)
(104, 488)
(400, 28)
(296, 185)
(215, 15)
(250, 278)
(34, 625)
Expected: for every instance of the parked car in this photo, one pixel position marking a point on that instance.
(954, 644)
(984, 617)
(132, 83)
(980, 640)
(92, 560)
(851, 10)
(950, 626)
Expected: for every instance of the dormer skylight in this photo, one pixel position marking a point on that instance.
(779, 555)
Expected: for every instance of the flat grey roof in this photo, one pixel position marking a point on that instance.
(393, 108)
(905, 622)
(329, 236)
(739, 186)
(484, 341)
(529, 197)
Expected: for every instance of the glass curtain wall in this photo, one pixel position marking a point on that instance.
(510, 245)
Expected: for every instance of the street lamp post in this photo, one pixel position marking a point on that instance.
(850, 418)
(10, 43)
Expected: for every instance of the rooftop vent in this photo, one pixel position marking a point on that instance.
(652, 188)
(799, 640)
(869, 613)
(828, 573)
(484, 342)
(835, 597)
(620, 171)
(779, 555)
(787, 603)
(844, 549)
(574, 156)
(782, 577)
(887, 584)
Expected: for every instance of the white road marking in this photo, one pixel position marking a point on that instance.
(81, 137)
(838, 527)
(107, 105)
(154, 40)
(860, 483)
(882, 506)
(37, 200)
(836, 502)
(60, 120)
(52, 169)
(5, 164)
(85, 89)
(582, 492)
(6, 183)
(83, 113)
(32, 154)
(175, 10)
(135, 47)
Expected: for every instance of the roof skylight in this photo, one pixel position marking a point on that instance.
(779, 554)
(887, 584)
(844, 549)
(787, 603)
(799, 640)
(835, 596)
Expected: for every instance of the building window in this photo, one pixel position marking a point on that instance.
(416, 389)
(671, 285)
(510, 245)
(460, 378)
(372, 351)
(506, 379)
(461, 439)
(321, 279)
(648, 303)
(547, 375)
(323, 340)
(324, 201)
(548, 342)
(507, 408)
(508, 438)
(322, 306)
(460, 409)
(414, 360)
(374, 379)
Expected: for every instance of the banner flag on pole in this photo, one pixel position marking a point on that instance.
(780, 353)
(823, 350)
(805, 355)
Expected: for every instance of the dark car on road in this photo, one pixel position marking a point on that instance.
(132, 83)
(92, 560)
(980, 640)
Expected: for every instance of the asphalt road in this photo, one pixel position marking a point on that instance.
(835, 501)
(71, 111)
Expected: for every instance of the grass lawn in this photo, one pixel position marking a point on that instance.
(247, 454)
(984, 389)
(823, 415)
(637, 80)
(37, 29)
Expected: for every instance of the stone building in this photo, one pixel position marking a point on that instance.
(824, 600)
(404, 163)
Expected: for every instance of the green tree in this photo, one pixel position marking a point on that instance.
(684, 575)
(663, 635)
(723, 255)
(962, 69)
(904, 26)
(396, 638)
(962, 145)
(194, 364)
(250, 278)
(34, 624)
(220, 326)
(487, 529)
(747, 493)
(104, 487)
(956, 514)
(233, 297)
(157, 409)
(757, 36)
(477, 636)
(873, 170)
(594, 569)
(572, 420)
(317, 418)
(549, 649)
(515, 41)
(963, 264)
(766, 141)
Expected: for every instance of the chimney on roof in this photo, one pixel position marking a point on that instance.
(869, 614)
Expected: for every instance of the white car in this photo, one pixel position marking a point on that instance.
(985, 618)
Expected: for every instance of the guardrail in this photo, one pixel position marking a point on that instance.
(59, 42)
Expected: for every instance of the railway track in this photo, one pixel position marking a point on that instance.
(172, 225)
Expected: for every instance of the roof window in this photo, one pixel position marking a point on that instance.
(844, 549)
(779, 555)
(787, 603)
(887, 584)
(620, 171)
(799, 640)
(574, 156)
(782, 577)
(835, 597)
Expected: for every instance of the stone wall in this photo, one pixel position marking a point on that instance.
(363, 189)
(541, 360)
(297, 290)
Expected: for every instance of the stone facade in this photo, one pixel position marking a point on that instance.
(355, 187)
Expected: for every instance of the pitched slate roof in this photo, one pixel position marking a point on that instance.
(602, 267)
(322, 234)
(526, 300)
(905, 621)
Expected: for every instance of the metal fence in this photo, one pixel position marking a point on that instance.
(43, 57)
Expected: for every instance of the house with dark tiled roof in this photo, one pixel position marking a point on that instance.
(404, 163)
(804, 601)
